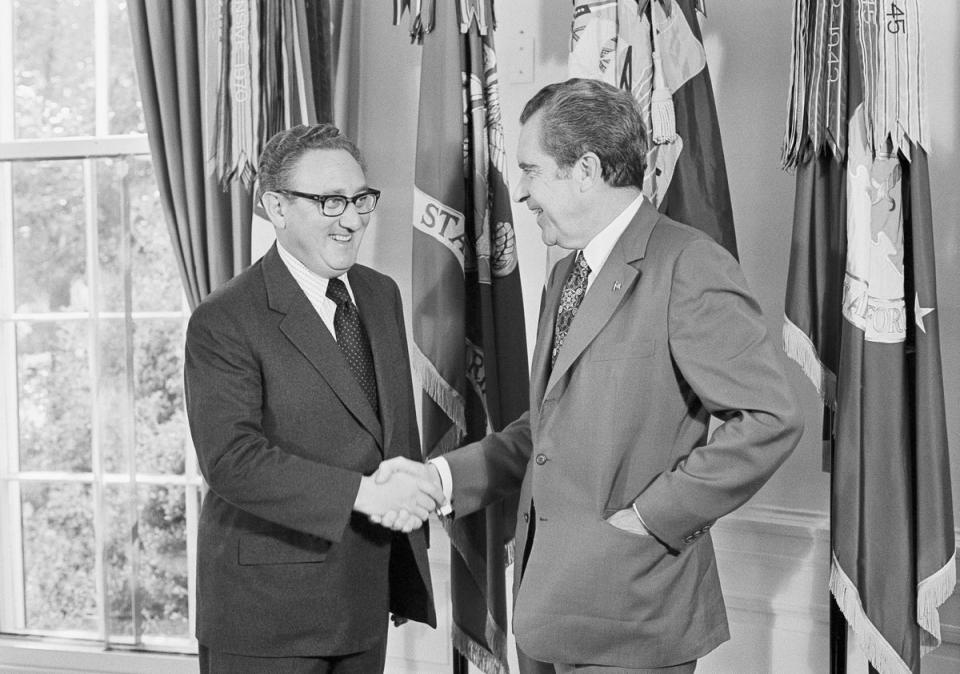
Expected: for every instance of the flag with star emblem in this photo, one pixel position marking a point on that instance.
(468, 323)
(861, 318)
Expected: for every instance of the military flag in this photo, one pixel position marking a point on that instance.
(861, 317)
(468, 324)
(654, 49)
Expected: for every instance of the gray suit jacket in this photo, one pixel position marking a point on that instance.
(283, 433)
(667, 335)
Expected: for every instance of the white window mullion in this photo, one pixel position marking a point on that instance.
(100, 526)
(41, 149)
(195, 491)
(12, 611)
(193, 494)
(6, 72)
(129, 400)
(101, 64)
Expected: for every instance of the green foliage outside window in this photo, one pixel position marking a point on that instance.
(98, 351)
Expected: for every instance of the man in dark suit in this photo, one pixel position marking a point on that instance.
(298, 385)
(645, 331)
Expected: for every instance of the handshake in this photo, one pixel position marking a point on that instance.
(400, 495)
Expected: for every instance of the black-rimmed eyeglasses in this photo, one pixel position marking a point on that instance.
(333, 205)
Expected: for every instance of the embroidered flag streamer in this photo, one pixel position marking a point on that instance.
(276, 71)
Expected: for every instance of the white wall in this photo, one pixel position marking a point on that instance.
(773, 555)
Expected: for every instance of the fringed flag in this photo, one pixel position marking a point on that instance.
(654, 49)
(468, 325)
(861, 317)
(275, 72)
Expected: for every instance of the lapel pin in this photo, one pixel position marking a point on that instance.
(616, 286)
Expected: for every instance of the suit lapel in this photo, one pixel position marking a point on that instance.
(540, 368)
(306, 331)
(615, 281)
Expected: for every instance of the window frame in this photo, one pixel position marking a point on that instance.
(13, 633)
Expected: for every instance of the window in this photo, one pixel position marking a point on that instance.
(99, 488)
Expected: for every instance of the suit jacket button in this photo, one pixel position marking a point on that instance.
(541, 459)
(526, 518)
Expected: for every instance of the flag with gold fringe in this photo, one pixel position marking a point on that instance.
(861, 317)
(654, 49)
(275, 69)
(468, 324)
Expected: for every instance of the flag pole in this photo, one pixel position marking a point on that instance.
(460, 665)
(838, 623)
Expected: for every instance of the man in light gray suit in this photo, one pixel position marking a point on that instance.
(645, 331)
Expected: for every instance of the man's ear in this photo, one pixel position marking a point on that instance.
(276, 209)
(589, 171)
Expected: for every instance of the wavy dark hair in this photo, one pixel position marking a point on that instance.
(586, 115)
(284, 149)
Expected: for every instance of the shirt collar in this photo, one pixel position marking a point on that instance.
(600, 246)
(314, 285)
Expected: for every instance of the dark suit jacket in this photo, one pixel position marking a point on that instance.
(283, 433)
(667, 335)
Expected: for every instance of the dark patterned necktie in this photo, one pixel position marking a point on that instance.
(574, 288)
(353, 340)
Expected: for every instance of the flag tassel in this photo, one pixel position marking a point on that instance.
(446, 397)
(932, 592)
(879, 652)
(663, 118)
(800, 349)
(485, 660)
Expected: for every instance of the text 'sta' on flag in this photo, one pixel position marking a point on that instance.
(861, 318)
(468, 321)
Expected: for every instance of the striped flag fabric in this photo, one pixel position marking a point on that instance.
(468, 321)
(654, 49)
(861, 318)
(274, 69)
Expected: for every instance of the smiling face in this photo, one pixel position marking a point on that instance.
(549, 191)
(328, 246)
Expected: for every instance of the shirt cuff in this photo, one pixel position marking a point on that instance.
(446, 482)
(642, 523)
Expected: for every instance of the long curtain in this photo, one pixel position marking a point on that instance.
(209, 222)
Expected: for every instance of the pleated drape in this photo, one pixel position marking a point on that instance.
(209, 223)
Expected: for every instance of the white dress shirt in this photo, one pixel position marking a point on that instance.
(314, 287)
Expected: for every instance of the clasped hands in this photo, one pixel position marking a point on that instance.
(401, 494)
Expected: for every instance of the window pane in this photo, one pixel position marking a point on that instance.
(127, 193)
(160, 418)
(156, 279)
(58, 557)
(126, 112)
(112, 204)
(49, 239)
(54, 393)
(113, 402)
(160, 535)
(54, 69)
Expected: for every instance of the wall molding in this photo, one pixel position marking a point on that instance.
(777, 566)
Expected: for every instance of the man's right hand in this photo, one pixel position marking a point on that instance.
(400, 495)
